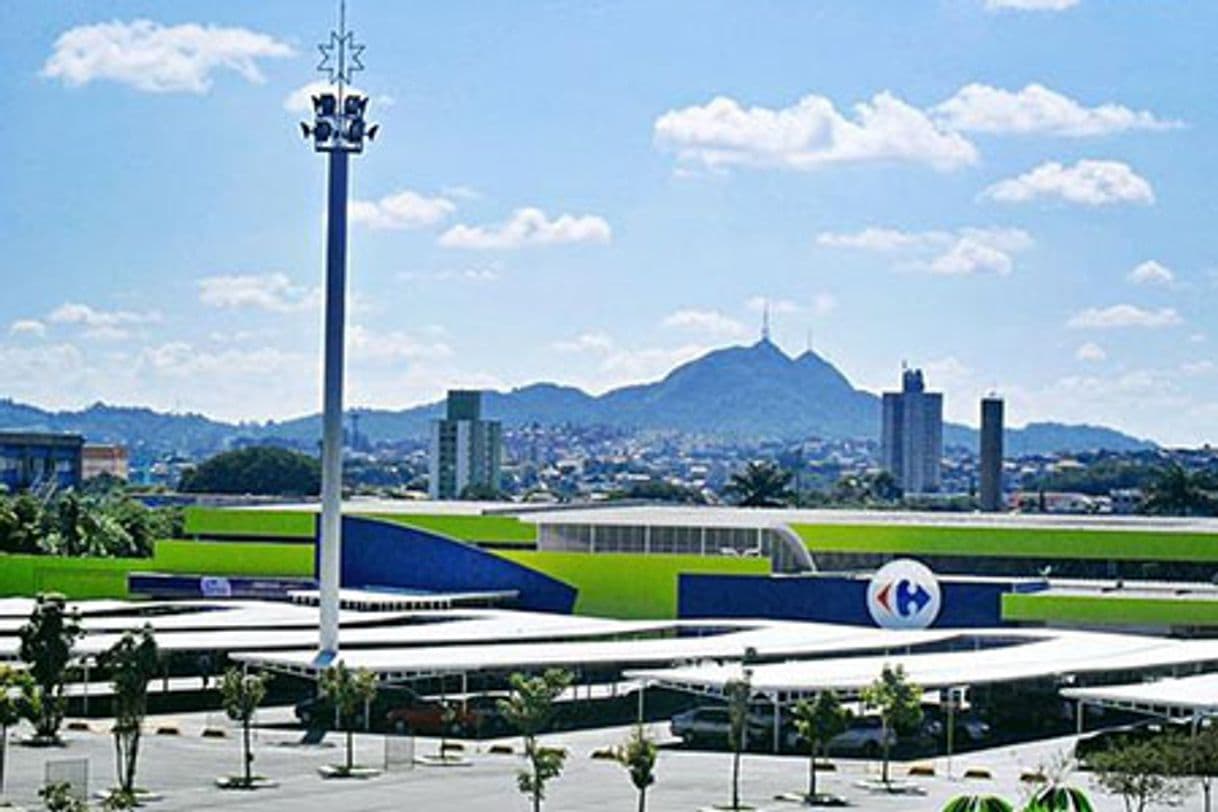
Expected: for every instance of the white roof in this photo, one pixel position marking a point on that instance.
(767, 638)
(1196, 694)
(1033, 655)
(211, 632)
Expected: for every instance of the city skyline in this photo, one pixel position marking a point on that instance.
(590, 195)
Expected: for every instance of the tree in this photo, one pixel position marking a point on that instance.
(530, 710)
(1174, 491)
(738, 693)
(46, 646)
(59, 798)
(350, 691)
(20, 524)
(1200, 760)
(899, 703)
(240, 695)
(978, 803)
(1141, 772)
(13, 685)
(760, 484)
(132, 661)
(817, 722)
(265, 470)
(638, 756)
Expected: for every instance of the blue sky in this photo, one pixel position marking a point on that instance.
(1012, 194)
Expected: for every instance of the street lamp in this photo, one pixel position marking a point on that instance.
(338, 130)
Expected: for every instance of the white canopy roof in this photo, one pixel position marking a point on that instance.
(1039, 654)
(1170, 697)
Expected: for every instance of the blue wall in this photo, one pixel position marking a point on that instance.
(830, 599)
(387, 555)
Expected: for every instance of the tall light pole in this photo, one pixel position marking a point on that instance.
(338, 130)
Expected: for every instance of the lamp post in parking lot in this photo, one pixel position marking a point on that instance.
(338, 130)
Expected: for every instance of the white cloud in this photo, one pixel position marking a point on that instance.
(1152, 273)
(969, 256)
(586, 342)
(477, 273)
(300, 100)
(961, 252)
(710, 322)
(529, 226)
(28, 327)
(152, 57)
(1090, 351)
(180, 359)
(274, 292)
(1031, 5)
(809, 134)
(395, 345)
(875, 238)
(401, 210)
(1123, 315)
(1038, 110)
(103, 325)
(1088, 182)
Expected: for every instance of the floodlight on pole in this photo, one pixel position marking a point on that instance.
(338, 129)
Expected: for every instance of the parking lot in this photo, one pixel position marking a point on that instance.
(182, 768)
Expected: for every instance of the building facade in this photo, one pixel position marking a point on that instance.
(30, 460)
(911, 435)
(466, 451)
(991, 454)
(109, 460)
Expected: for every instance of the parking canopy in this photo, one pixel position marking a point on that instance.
(1182, 696)
(1047, 653)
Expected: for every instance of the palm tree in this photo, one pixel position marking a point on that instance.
(760, 484)
(1175, 491)
(818, 721)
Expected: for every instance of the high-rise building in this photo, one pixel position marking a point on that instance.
(912, 434)
(466, 451)
(991, 453)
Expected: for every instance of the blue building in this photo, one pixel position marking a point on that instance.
(34, 460)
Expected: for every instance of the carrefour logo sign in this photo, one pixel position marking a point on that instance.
(904, 594)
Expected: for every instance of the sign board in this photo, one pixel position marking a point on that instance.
(215, 587)
(904, 594)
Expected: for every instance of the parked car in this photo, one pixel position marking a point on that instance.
(710, 725)
(969, 729)
(425, 717)
(865, 735)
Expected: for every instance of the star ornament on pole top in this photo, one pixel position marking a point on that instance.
(338, 124)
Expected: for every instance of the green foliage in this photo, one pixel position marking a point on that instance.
(46, 646)
(240, 696)
(638, 756)
(1141, 772)
(760, 484)
(869, 489)
(530, 710)
(818, 721)
(132, 661)
(349, 691)
(1058, 798)
(1176, 491)
(738, 693)
(105, 524)
(262, 470)
(59, 798)
(899, 703)
(978, 803)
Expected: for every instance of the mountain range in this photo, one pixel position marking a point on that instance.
(743, 392)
